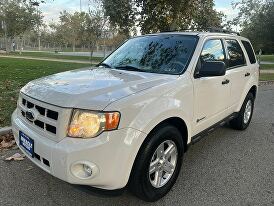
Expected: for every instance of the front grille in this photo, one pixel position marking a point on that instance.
(46, 119)
(41, 159)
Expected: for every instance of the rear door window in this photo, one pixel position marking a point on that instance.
(250, 52)
(236, 56)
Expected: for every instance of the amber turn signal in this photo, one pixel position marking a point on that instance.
(112, 120)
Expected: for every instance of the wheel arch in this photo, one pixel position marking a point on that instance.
(253, 90)
(176, 122)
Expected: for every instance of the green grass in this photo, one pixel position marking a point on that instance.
(15, 73)
(52, 55)
(267, 58)
(267, 66)
(266, 77)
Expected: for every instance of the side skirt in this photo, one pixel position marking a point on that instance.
(209, 130)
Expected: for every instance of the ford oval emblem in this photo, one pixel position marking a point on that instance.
(30, 115)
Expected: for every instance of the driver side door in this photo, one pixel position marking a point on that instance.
(211, 93)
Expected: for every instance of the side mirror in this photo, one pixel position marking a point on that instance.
(211, 69)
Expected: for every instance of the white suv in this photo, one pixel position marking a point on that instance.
(128, 121)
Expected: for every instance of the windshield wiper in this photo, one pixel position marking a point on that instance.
(106, 65)
(130, 68)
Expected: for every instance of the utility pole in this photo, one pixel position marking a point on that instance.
(80, 5)
(39, 33)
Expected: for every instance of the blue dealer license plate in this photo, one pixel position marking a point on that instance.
(27, 143)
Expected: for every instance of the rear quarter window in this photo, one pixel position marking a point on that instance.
(236, 56)
(250, 52)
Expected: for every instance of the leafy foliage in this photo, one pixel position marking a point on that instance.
(256, 17)
(71, 24)
(161, 15)
(83, 28)
(19, 17)
(205, 16)
(122, 14)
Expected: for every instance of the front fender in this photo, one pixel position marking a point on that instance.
(145, 110)
(160, 110)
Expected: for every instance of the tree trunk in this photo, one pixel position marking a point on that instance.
(73, 46)
(21, 46)
(11, 40)
(7, 45)
(91, 48)
(6, 38)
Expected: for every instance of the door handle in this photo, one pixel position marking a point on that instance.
(225, 81)
(247, 74)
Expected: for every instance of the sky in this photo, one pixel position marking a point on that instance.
(226, 7)
(52, 9)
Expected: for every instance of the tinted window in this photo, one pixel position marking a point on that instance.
(249, 52)
(167, 54)
(235, 54)
(213, 51)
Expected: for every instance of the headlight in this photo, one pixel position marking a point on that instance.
(88, 124)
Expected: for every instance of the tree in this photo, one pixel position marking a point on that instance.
(96, 26)
(248, 10)
(256, 19)
(205, 16)
(71, 24)
(121, 13)
(17, 17)
(161, 15)
(164, 15)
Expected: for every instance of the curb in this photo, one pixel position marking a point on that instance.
(270, 82)
(5, 130)
(269, 71)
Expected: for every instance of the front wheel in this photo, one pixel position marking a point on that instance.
(243, 119)
(158, 164)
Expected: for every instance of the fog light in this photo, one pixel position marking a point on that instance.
(84, 170)
(87, 170)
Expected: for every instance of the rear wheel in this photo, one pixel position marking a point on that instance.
(244, 117)
(158, 164)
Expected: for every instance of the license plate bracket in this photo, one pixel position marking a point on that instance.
(26, 143)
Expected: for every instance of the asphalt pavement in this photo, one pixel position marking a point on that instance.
(227, 167)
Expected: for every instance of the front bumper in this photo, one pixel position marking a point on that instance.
(112, 154)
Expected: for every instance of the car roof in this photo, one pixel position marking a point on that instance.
(200, 34)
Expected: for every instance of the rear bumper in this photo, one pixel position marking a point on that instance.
(112, 154)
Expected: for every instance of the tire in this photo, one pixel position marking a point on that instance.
(142, 183)
(240, 123)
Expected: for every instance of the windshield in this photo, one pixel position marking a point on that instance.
(165, 54)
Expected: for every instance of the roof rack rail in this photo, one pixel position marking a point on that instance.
(220, 30)
(210, 29)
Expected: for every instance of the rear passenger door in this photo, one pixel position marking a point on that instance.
(237, 71)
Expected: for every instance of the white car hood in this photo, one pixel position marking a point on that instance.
(91, 88)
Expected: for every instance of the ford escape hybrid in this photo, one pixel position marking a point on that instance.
(128, 121)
